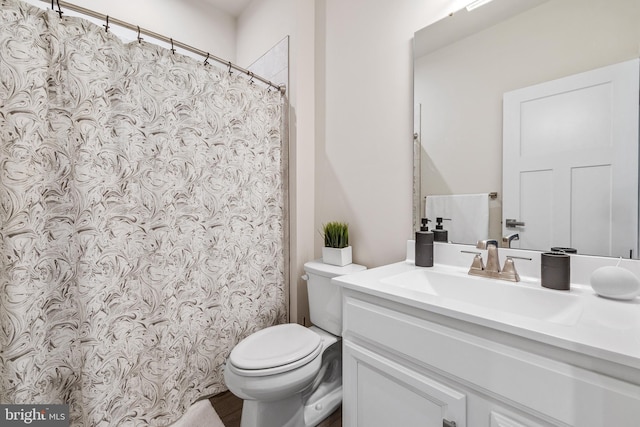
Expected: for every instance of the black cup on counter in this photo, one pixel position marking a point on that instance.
(556, 270)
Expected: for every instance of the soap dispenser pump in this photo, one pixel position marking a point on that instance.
(424, 245)
(440, 234)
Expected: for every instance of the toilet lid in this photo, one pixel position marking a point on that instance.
(275, 346)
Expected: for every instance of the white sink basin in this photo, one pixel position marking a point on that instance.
(495, 295)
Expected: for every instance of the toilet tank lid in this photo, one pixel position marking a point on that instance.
(328, 270)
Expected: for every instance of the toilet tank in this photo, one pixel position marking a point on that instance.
(325, 298)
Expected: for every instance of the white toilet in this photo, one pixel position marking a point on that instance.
(289, 375)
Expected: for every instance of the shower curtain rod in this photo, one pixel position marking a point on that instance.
(174, 43)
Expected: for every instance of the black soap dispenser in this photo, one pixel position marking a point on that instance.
(424, 245)
(440, 234)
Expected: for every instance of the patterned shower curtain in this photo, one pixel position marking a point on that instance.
(142, 220)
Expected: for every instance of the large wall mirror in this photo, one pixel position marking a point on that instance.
(465, 63)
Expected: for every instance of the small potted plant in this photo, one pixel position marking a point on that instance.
(336, 250)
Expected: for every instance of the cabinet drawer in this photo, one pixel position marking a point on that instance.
(554, 391)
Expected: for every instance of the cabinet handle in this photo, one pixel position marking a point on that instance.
(447, 423)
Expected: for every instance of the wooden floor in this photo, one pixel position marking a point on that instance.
(229, 408)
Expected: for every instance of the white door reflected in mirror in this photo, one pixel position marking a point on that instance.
(570, 162)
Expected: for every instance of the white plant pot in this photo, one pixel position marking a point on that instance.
(335, 256)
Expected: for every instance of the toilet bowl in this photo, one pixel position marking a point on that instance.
(289, 375)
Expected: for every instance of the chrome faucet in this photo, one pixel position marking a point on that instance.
(493, 263)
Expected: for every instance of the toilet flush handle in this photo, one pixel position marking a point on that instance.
(305, 277)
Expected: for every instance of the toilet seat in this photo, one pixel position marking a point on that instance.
(274, 350)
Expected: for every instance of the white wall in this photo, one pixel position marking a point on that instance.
(364, 121)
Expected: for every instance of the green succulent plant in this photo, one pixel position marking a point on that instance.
(336, 235)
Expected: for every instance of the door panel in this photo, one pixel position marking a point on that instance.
(537, 208)
(589, 184)
(570, 162)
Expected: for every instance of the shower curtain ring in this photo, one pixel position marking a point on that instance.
(106, 26)
(172, 48)
(59, 11)
(251, 79)
(230, 72)
(139, 38)
(206, 60)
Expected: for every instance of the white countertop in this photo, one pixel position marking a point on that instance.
(592, 325)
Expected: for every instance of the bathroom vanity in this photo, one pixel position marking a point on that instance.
(437, 347)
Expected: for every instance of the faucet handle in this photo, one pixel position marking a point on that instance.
(477, 266)
(509, 270)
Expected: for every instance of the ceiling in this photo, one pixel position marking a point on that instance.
(232, 7)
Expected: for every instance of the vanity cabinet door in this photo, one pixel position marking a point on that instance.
(379, 392)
